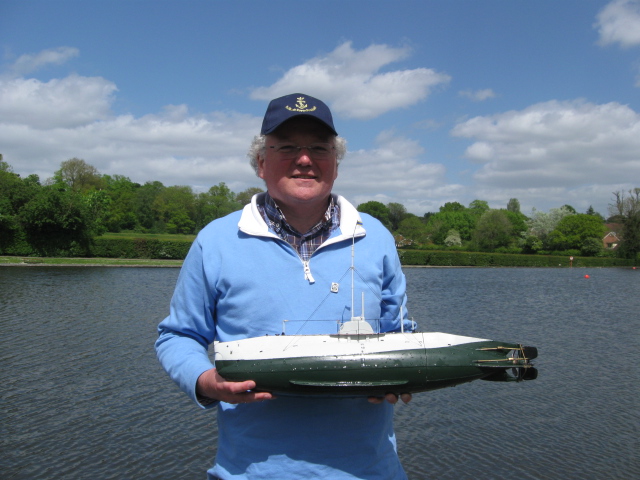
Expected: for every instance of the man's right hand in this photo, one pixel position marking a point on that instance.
(211, 385)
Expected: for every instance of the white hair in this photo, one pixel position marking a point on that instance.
(258, 148)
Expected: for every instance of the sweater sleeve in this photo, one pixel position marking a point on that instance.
(185, 335)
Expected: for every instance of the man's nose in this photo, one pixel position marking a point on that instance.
(304, 157)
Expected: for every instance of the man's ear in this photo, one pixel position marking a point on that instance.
(261, 166)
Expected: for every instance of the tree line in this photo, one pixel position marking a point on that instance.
(78, 203)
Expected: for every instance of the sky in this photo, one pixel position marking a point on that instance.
(439, 101)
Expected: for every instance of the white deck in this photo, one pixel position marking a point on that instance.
(294, 346)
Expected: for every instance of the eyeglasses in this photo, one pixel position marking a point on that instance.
(317, 151)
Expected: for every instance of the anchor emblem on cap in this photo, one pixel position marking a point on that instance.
(300, 106)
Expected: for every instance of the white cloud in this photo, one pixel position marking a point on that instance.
(67, 102)
(29, 63)
(352, 83)
(554, 150)
(176, 147)
(478, 95)
(393, 172)
(546, 155)
(45, 123)
(619, 22)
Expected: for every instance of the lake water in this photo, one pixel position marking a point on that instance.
(83, 396)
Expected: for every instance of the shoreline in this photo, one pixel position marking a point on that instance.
(8, 261)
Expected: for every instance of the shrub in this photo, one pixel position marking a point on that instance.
(480, 259)
(591, 247)
(140, 248)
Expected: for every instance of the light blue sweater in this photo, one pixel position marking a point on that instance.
(241, 280)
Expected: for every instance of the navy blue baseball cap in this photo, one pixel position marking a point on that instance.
(282, 109)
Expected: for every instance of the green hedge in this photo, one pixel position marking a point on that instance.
(139, 248)
(147, 248)
(481, 259)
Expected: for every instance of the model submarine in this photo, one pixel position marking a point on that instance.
(357, 361)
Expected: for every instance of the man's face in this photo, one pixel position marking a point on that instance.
(303, 179)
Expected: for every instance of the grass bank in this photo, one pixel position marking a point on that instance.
(87, 262)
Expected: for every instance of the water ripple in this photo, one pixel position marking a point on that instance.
(83, 395)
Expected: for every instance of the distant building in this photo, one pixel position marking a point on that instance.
(611, 240)
(402, 241)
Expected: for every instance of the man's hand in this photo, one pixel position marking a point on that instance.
(392, 398)
(211, 385)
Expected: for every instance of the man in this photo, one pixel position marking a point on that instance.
(278, 259)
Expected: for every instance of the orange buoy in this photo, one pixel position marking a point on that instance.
(587, 276)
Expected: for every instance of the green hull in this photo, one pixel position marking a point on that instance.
(402, 371)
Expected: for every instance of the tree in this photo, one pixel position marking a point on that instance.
(591, 247)
(573, 230)
(414, 229)
(453, 239)
(493, 230)
(462, 221)
(541, 224)
(8, 221)
(144, 200)
(174, 208)
(121, 212)
(78, 175)
(4, 166)
(627, 209)
(216, 203)
(518, 223)
(377, 210)
(15, 192)
(591, 211)
(55, 220)
(630, 246)
(244, 197)
(626, 204)
(531, 244)
(513, 205)
(479, 207)
(98, 203)
(397, 213)
(452, 207)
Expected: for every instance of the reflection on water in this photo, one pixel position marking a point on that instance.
(84, 397)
